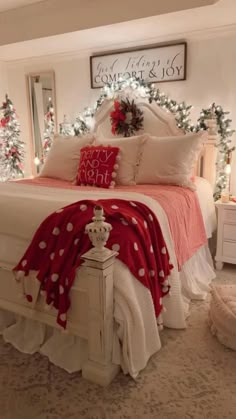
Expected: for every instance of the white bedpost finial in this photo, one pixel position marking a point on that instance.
(98, 230)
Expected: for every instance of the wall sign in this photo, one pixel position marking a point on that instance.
(154, 64)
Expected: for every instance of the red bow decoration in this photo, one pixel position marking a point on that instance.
(117, 115)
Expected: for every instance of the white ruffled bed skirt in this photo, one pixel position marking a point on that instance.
(70, 352)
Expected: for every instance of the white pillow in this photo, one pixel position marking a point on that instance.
(170, 160)
(63, 158)
(130, 154)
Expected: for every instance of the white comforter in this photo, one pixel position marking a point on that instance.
(24, 207)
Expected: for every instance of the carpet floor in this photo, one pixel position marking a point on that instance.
(192, 377)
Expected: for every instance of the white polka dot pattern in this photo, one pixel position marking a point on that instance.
(116, 247)
(141, 272)
(54, 277)
(63, 317)
(69, 227)
(136, 246)
(136, 226)
(56, 231)
(83, 207)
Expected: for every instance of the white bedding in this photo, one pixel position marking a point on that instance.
(18, 226)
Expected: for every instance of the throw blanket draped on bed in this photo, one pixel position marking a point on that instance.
(58, 244)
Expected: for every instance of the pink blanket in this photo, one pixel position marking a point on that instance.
(181, 206)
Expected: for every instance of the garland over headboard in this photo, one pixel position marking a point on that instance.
(84, 122)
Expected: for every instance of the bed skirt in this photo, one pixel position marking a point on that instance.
(70, 352)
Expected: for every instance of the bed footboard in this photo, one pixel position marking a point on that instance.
(99, 272)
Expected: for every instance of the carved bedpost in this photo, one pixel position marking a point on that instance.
(99, 263)
(208, 160)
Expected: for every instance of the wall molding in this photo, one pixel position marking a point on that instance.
(191, 36)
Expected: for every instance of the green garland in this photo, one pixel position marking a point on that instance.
(224, 144)
(181, 111)
(145, 90)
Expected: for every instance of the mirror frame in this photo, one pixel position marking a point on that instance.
(28, 77)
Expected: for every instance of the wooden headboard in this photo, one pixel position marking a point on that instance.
(162, 123)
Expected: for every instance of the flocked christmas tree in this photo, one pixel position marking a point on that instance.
(49, 122)
(11, 146)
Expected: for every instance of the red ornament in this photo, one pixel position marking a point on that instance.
(4, 121)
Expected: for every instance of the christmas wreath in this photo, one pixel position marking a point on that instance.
(126, 118)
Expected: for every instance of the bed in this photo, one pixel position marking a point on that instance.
(111, 321)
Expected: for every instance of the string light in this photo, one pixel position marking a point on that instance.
(181, 111)
(224, 143)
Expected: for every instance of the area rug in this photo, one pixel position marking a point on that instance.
(192, 377)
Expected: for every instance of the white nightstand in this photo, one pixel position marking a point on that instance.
(226, 234)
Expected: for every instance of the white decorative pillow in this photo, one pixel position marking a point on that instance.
(63, 158)
(170, 160)
(130, 154)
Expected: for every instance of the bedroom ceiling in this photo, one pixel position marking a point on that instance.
(13, 4)
(191, 23)
(38, 19)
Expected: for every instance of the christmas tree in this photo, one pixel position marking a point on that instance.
(49, 121)
(12, 148)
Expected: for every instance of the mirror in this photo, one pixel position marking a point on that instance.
(42, 101)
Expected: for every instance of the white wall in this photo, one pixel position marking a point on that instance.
(211, 77)
(3, 81)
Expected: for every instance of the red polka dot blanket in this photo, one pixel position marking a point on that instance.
(60, 241)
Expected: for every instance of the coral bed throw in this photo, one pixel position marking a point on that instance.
(60, 241)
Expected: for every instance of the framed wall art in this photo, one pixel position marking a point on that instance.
(160, 63)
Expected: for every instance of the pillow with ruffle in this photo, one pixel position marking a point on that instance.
(63, 157)
(98, 166)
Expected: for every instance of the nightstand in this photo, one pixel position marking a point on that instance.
(226, 234)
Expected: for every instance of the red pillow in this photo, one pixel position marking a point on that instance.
(98, 165)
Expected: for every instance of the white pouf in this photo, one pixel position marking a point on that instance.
(222, 314)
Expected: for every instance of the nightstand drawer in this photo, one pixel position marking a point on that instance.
(230, 215)
(229, 250)
(229, 232)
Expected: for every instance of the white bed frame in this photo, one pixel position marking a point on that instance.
(91, 314)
